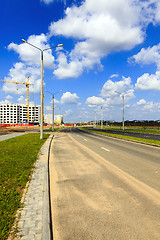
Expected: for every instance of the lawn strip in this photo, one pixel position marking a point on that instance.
(17, 158)
(125, 137)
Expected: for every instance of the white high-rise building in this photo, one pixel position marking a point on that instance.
(17, 113)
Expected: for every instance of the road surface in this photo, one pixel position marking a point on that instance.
(104, 188)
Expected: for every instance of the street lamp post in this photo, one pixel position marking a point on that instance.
(42, 96)
(101, 118)
(95, 119)
(122, 94)
(53, 107)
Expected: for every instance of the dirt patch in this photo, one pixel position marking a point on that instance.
(6, 130)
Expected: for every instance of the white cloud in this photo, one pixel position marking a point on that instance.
(67, 112)
(67, 70)
(141, 102)
(114, 76)
(151, 107)
(6, 101)
(69, 98)
(109, 88)
(21, 100)
(94, 101)
(101, 27)
(31, 55)
(9, 97)
(148, 82)
(47, 1)
(19, 73)
(147, 56)
(51, 1)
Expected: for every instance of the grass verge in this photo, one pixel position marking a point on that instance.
(125, 137)
(17, 158)
(153, 130)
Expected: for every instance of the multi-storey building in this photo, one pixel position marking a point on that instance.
(17, 113)
(58, 119)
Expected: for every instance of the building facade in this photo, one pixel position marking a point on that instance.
(58, 119)
(17, 113)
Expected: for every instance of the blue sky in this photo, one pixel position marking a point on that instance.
(108, 46)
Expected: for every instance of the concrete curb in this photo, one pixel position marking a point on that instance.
(47, 221)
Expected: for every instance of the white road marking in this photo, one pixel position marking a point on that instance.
(105, 149)
(85, 140)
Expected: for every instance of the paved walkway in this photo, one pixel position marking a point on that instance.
(10, 135)
(34, 221)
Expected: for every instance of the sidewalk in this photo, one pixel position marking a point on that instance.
(34, 220)
(10, 135)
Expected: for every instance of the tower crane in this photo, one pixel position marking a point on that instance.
(27, 88)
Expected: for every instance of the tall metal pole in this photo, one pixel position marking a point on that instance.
(53, 107)
(41, 125)
(42, 108)
(101, 118)
(123, 110)
(122, 94)
(53, 115)
(95, 118)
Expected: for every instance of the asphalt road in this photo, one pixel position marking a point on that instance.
(132, 134)
(104, 188)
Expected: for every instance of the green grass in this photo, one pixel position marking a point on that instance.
(153, 130)
(17, 157)
(125, 137)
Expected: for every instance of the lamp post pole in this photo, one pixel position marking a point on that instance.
(42, 96)
(101, 118)
(42, 104)
(122, 94)
(123, 110)
(53, 107)
(95, 119)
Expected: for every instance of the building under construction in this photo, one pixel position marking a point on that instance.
(17, 113)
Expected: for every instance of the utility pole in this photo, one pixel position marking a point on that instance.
(101, 118)
(95, 119)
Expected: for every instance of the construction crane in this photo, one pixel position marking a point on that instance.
(27, 88)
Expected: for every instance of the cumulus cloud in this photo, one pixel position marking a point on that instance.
(109, 88)
(47, 1)
(6, 101)
(67, 70)
(9, 97)
(51, 1)
(147, 56)
(151, 107)
(100, 28)
(67, 112)
(31, 55)
(141, 102)
(114, 76)
(19, 73)
(148, 82)
(69, 98)
(21, 100)
(95, 101)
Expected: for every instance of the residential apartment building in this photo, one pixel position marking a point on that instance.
(17, 113)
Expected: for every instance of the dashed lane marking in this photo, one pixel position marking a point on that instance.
(105, 149)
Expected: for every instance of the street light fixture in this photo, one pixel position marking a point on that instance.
(53, 107)
(42, 96)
